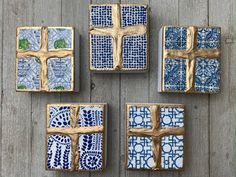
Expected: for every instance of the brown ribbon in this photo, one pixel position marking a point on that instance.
(43, 55)
(117, 33)
(190, 55)
(156, 132)
(73, 132)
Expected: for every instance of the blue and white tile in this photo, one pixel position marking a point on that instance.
(175, 38)
(59, 117)
(171, 117)
(90, 116)
(208, 38)
(59, 152)
(140, 155)
(134, 52)
(175, 74)
(59, 73)
(172, 152)
(207, 75)
(101, 16)
(90, 149)
(132, 15)
(31, 39)
(101, 51)
(59, 38)
(28, 73)
(139, 117)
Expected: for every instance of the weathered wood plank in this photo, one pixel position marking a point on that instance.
(159, 17)
(16, 107)
(134, 88)
(197, 139)
(105, 88)
(75, 13)
(46, 13)
(1, 71)
(23, 125)
(222, 117)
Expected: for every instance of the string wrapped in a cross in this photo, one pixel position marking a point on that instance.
(156, 132)
(43, 54)
(117, 33)
(74, 130)
(190, 54)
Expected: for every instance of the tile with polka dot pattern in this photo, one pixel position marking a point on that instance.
(76, 129)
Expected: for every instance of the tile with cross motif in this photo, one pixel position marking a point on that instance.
(76, 137)
(155, 136)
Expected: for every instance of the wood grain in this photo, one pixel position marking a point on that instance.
(210, 120)
(134, 88)
(16, 108)
(159, 17)
(222, 106)
(75, 13)
(45, 13)
(106, 87)
(197, 132)
(1, 71)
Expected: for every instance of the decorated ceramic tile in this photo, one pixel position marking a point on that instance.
(60, 38)
(172, 152)
(175, 74)
(59, 73)
(140, 155)
(156, 141)
(118, 37)
(28, 73)
(45, 59)
(76, 137)
(190, 59)
(207, 75)
(29, 39)
(91, 151)
(139, 117)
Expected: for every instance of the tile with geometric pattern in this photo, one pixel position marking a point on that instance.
(118, 37)
(155, 134)
(172, 145)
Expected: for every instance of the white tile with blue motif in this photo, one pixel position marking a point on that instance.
(140, 148)
(90, 146)
(29, 68)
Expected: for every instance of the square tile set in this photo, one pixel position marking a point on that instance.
(188, 61)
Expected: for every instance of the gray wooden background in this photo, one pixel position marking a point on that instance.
(210, 140)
